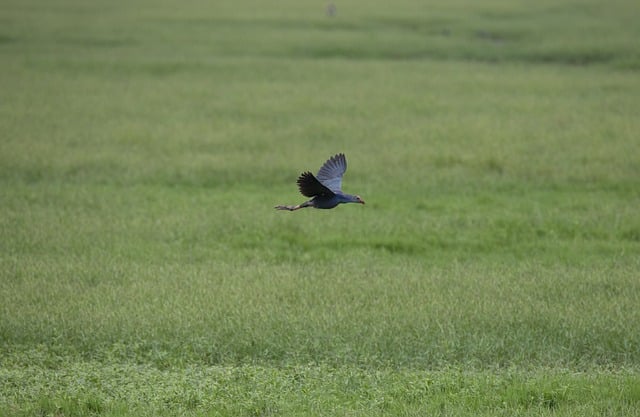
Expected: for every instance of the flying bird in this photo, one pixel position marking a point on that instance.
(325, 188)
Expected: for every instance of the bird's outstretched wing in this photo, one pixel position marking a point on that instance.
(330, 174)
(310, 186)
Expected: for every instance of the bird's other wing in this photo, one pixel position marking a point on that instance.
(309, 186)
(330, 174)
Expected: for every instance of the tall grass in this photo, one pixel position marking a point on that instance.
(143, 270)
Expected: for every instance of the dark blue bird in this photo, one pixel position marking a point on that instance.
(325, 190)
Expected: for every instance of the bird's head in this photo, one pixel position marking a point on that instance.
(359, 199)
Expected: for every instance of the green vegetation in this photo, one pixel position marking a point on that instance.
(493, 271)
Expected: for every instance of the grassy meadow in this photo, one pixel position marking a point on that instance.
(494, 270)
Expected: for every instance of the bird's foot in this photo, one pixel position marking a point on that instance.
(290, 208)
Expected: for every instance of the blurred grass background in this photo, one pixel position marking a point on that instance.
(144, 145)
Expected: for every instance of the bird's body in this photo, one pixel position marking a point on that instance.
(325, 189)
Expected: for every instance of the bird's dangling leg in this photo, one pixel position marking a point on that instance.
(293, 208)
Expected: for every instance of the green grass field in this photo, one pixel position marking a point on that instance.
(494, 271)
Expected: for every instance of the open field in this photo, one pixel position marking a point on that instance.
(495, 269)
